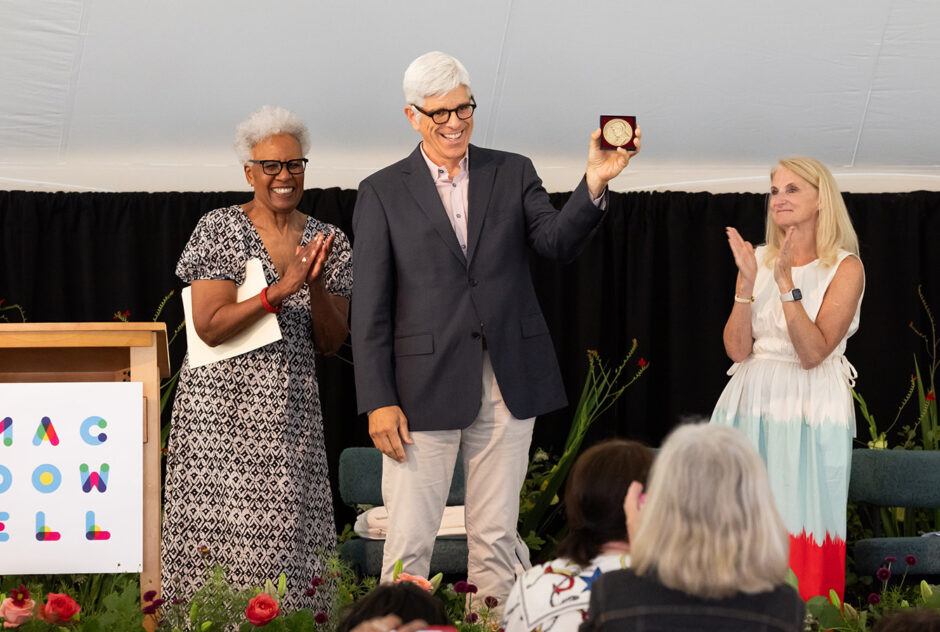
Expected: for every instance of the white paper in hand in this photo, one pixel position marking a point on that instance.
(263, 332)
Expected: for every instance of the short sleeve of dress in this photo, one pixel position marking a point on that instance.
(338, 275)
(216, 249)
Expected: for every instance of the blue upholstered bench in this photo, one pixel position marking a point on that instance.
(360, 483)
(896, 478)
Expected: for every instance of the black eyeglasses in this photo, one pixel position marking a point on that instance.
(463, 112)
(273, 167)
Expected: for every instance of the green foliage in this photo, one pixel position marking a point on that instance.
(297, 621)
(88, 590)
(218, 603)
(346, 534)
(479, 618)
(344, 586)
(923, 433)
(539, 500)
(111, 603)
(7, 310)
(830, 614)
(121, 612)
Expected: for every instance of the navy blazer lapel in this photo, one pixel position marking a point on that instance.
(421, 186)
(482, 173)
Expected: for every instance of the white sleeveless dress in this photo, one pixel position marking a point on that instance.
(802, 422)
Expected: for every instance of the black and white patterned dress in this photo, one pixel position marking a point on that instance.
(246, 473)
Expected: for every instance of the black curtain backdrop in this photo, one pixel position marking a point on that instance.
(659, 270)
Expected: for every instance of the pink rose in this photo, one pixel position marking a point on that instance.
(262, 609)
(13, 616)
(415, 579)
(58, 609)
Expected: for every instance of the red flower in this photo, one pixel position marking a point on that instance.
(58, 609)
(149, 595)
(463, 587)
(910, 560)
(883, 574)
(874, 599)
(316, 581)
(491, 602)
(930, 397)
(262, 609)
(321, 618)
(642, 363)
(153, 606)
(890, 559)
(472, 617)
(20, 596)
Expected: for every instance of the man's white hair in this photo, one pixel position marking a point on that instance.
(434, 74)
(266, 122)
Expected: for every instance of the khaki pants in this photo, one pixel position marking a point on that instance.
(495, 450)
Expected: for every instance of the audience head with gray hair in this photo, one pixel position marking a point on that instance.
(710, 527)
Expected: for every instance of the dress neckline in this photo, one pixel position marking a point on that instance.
(304, 238)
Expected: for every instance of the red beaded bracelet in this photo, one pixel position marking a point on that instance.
(267, 305)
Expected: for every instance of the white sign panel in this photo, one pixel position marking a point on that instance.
(71, 478)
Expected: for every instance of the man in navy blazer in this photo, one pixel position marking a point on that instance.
(451, 349)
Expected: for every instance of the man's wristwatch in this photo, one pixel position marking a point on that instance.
(792, 295)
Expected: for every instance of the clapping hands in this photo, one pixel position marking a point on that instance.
(745, 259)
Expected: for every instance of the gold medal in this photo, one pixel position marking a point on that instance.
(618, 132)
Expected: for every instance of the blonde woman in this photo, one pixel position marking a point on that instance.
(797, 301)
(709, 550)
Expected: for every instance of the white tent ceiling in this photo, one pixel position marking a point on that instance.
(134, 95)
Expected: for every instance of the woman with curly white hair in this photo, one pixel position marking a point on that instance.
(709, 550)
(247, 484)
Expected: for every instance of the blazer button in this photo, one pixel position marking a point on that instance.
(473, 282)
(475, 335)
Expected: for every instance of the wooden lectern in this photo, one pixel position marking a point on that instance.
(101, 352)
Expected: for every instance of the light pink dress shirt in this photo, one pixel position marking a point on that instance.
(454, 192)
